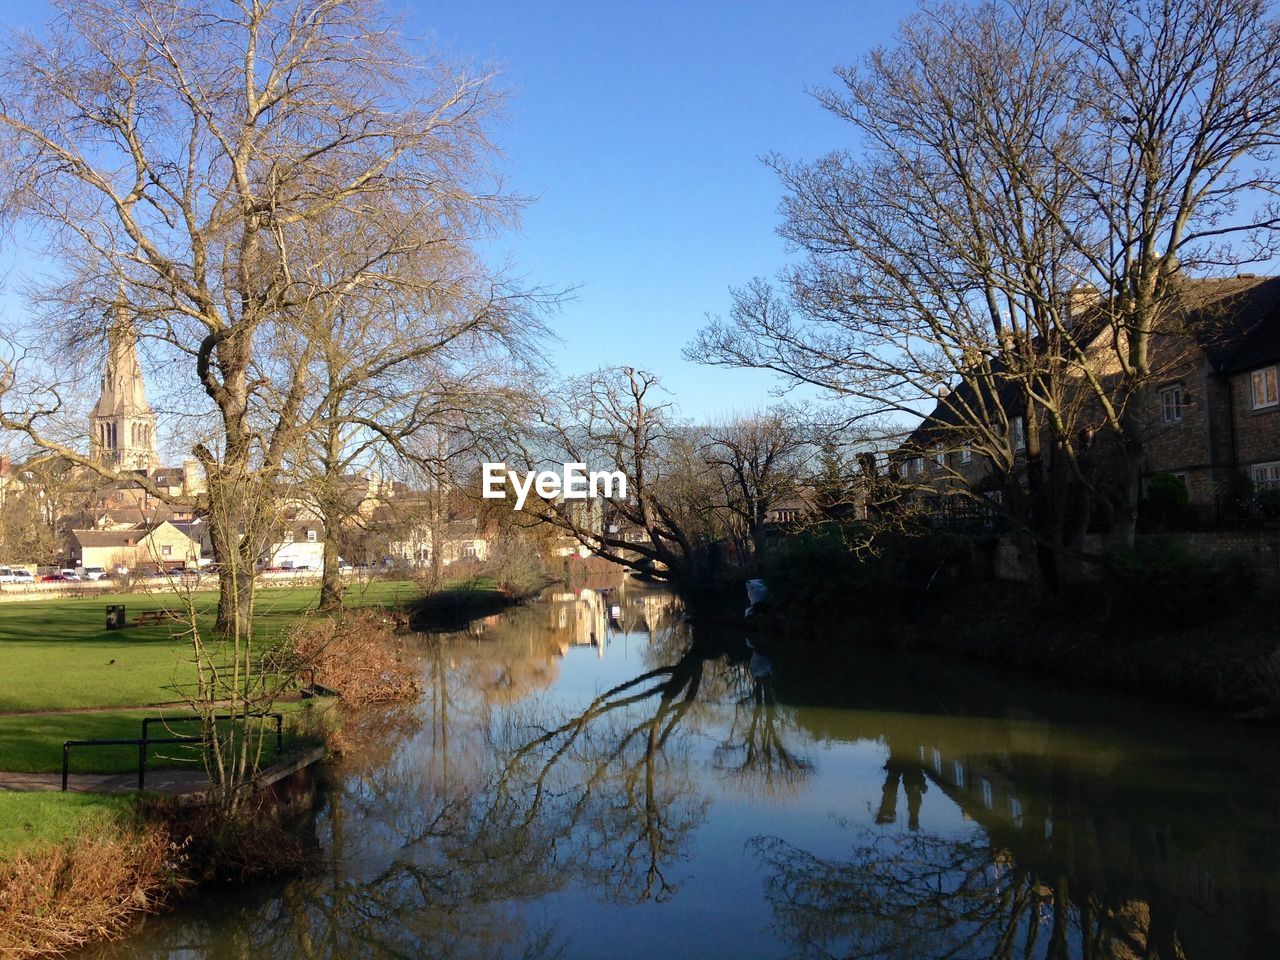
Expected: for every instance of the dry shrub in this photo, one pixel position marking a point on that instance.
(251, 843)
(359, 657)
(64, 896)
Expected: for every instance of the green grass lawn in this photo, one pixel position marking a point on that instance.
(30, 820)
(33, 744)
(56, 654)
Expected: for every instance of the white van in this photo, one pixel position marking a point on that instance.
(6, 575)
(91, 573)
(23, 576)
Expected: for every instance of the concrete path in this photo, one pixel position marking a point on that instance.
(189, 783)
(174, 782)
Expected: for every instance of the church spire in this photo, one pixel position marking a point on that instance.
(122, 425)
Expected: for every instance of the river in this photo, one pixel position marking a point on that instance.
(588, 777)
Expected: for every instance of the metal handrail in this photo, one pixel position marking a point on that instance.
(188, 718)
(145, 741)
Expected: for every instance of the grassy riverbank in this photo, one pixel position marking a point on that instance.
(76, 867)
(29, 821)
(58, 654)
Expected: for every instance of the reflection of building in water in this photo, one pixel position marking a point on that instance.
(581, 618)
(1173, 886)
(643, 611)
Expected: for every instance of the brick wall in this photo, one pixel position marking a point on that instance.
(1257, 432)
(1261, 548)
(1183, 446)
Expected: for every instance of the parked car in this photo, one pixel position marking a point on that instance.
(69, 573)
(92, 573)
(23, 576)
(6, 575)
(57, 578)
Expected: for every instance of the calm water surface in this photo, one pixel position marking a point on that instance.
(586, 777)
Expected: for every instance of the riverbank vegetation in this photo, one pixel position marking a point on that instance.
(76, 867)
(1153, 618)
(57, 897)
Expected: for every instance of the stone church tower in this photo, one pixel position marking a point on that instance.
(122, 425)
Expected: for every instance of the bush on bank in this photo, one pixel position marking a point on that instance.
(1153, 618)
(57, 897)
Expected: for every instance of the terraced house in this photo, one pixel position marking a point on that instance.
(1210, 418)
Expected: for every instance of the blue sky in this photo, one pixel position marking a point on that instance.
(638, 128)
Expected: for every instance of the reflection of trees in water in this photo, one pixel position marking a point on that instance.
(447, 815)
(754, 750)
(620, 795)
(920, 896)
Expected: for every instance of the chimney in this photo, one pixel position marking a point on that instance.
(1083, 295)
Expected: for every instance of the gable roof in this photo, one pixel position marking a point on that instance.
(131, 537)
(1236, 320)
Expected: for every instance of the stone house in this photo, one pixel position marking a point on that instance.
(144, 548)
(1214, 418)
(412, 542)
(1210, 416)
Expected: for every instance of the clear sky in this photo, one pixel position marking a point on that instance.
(638, 128)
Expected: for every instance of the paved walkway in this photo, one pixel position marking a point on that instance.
(158, 781)
(173, 782)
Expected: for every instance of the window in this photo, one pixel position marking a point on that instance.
(1019, 435)
(966, 453)
(917, 466)
(988, 800)
(1171, 404)
(1266, 476)
(1015, 812)
(311, 536)
(1265, 392)
(166, 550)
(957, 769)
(939, 455)
(288, 536)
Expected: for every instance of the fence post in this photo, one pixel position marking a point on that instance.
(66, 759)
(142, 762)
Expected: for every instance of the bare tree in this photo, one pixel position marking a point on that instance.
(757, 461)
(194, 172)
(1011, 156)
(613, 420)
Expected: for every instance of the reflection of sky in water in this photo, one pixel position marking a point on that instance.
(1108, 798)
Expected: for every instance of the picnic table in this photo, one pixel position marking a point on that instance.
(154, 617)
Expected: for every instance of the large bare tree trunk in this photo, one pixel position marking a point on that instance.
(331, 578)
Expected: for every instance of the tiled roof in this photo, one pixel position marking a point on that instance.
(1236, 321)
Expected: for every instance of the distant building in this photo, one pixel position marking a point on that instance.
(156, 546)
(122, 425)
(297, 545)
(1210, 418)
